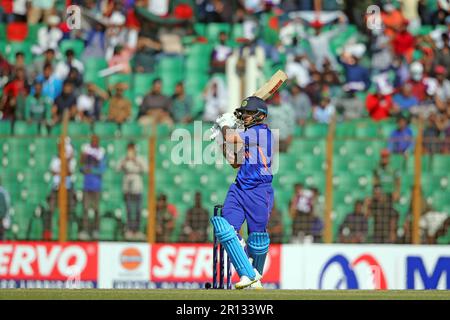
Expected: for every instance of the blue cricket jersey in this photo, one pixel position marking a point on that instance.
(256, 168)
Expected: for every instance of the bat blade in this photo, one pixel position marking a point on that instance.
(271, 86)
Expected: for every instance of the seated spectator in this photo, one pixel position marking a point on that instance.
(48, 36)
(121, 59)
(216, 99)
(90, 103)
(297, 68)
(379, 105)
(52, 199)
(220, 54)
(166, 215)
(40, 9)
(354, 229)
(51, 85)
(21, 64)
(403, 42)
(181, 105)
(401, 139)
(350, 106)
(442, 56)
(281, 116)
(148, 46)
(65, 101)
(12, 103)
(76, 79)
(431, 135)
(133, 167)
(357, 77)
(417, 82)
(38, 108)
(39, 63)
(380, 207)
(156, 107)
(443, 84)
(386, 178)
(119, 106)
(300, 102)
(5, 204)
(95, 42)
(404, 100)
(302, 213)
(92, 166)
(392, 18)
(324, 112)
(63, 67)
(196, 225)
(275, 226)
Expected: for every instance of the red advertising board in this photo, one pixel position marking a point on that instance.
(48, 261)
(193, 263)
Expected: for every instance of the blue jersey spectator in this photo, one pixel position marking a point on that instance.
(401, 139)
(405, 99)
(51, 85)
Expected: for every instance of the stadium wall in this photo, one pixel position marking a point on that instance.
(139, 265)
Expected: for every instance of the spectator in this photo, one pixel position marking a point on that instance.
(300, 102)
(92, 166)
(20, 63)
(431, 135)
(12, 103)
(401, 139)
(350, 106)
(275, 226)
(302, 214)
(156, 107)
(324, 112)
(356, 76)
(38, 108)
(119, 106)
(41, 9)
(297, 68)
(384, 215)
(148, 46)
(51, 85)
(181, 105)
(392, 19)
(196, 224)
(52, 199)
(404, 100)
(215, 95)
(63, 67)
(89, 104)
(95, 42)
(37, 68)
(281, 116)
(220, 54)
(443, 84)
(48, 36)
(76, 79)
(5, 219)
(120, 59)
(133, 167)
(354, 229)
(379, 105)
(403, 42)
(417, 83)
(65, 101)
(166, 215)
(442, 56)
(387, 178)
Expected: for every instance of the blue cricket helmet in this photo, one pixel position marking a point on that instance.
(253, 103)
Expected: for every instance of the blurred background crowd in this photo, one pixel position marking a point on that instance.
(134, 64)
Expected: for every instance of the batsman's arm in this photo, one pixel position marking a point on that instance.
(232, 158)
(231, 136)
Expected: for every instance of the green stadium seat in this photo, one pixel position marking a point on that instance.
(33, 30)
(362, 164)
(95, 64)
(341, 163)
(119, 78)
(316, 130)
(350, 148)
(78, 129)
(200, 29)
(441, 164)
(108, 129)
(310, 146)
(76, 45)
(345, 130)
(197, 63)
(311, 163)
(214, 29)
(13, 47)
(366, 130)
(5, 127)
(440, 200)
(22, 128)
(2, 32)
(143, 83)
(170, 65)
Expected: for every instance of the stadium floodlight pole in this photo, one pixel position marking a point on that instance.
(417, 190)
(151, 195)
(328, 228)
(62, 192)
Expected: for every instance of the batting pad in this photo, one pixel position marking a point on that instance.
(226, 235)
(257, 247)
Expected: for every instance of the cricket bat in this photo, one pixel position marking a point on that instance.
(271, 86)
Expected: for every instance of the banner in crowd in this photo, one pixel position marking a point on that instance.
(319, 266)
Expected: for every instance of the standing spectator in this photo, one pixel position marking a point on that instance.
(220, 54)
(418, 86)
(66, 101)
(38, 108)
(48, 36)
(196, 224)
(89, 104)
(181, 105)
(51, 85)
(401, 139)
(357, 77)
(403, 42)
(324, 112)
(133, 167)
(119, 106)
(215, 96)
(5, 203)
(92, 166)
(12, 103)
(275, 226)
(148, 46)
(392, 19)
(404, 100)
(350, 106)
(379, 105)
(301, 104)
(380, 207)
(355, 226)
(386, 178)
(52, 199)
(63, 67)
(166, 215)
(298, 68)
(41, 9)
(156, 106)
(95, 43)
(281, 116)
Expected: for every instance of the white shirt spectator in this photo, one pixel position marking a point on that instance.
(299, 72)
(48, 38)
(215, 99)
(324, 115)
(62, 68)
(85, 103)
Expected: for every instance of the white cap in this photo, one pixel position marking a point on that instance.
(117, 19)
(416, 69)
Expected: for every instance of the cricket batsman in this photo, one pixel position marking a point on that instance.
(250, 197)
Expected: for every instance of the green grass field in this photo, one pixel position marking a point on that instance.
(97, 294)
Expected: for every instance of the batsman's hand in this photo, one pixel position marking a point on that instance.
(227, 119)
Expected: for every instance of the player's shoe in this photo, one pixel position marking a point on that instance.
(246, 281)
(256, 286)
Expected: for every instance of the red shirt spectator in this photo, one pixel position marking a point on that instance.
(418, 89)
(379, 106)
(403, 43)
